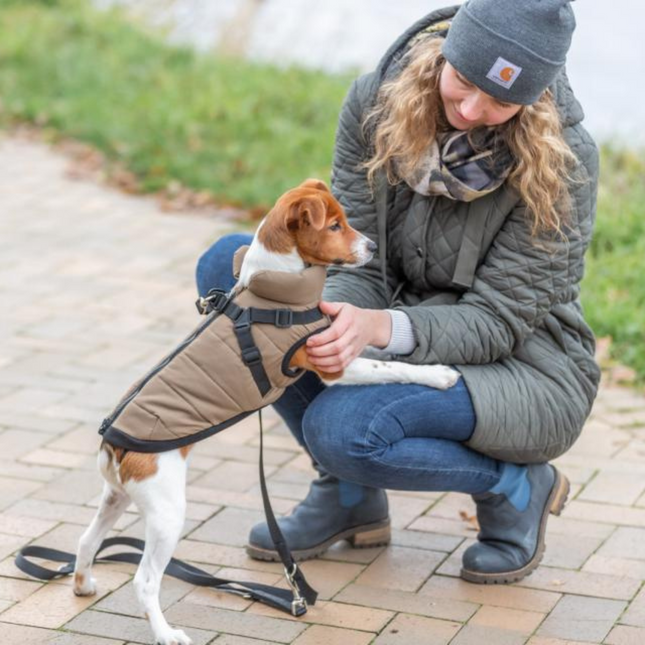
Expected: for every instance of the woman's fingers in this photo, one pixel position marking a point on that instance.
(339, 359)
(335, 331)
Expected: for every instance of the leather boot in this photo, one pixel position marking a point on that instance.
(511, 543)
(325, 517)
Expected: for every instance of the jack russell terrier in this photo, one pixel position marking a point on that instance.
(307, 226)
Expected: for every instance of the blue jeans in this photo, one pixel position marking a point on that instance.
(397, 436)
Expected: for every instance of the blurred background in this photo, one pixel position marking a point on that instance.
(606, 64)
(223, 105)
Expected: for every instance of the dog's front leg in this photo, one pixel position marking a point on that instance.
(366, 371)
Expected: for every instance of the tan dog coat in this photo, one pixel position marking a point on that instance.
(204, 386)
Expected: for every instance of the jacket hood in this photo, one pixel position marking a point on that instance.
(568, 106)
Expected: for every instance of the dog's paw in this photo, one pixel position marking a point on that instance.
(84, 585)
(173, 637)
(441, 377)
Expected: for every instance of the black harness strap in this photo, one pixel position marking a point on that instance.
(244, 317)
(251, 355)
(293, 600)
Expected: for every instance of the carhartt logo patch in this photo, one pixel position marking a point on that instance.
(504, 73)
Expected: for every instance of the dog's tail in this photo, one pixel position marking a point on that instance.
(109, 461)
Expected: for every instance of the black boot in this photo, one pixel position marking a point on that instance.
(324, 518)
(511, 542)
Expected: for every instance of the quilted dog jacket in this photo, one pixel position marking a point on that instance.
(481, 294)
(235, 362)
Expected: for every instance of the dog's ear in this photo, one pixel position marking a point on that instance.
(318, 184)
(307, 211)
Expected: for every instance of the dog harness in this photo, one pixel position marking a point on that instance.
(232, 364)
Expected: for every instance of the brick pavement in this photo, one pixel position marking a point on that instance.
(95, 286)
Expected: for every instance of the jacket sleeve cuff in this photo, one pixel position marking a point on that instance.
(402, 341)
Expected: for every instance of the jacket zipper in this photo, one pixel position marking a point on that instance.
(424, 234)
(107, 422)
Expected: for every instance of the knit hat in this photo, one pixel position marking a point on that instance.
(510, 49)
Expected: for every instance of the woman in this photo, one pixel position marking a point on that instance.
(463, 156)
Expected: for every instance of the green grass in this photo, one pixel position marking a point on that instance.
(613, 290)
(247, 132)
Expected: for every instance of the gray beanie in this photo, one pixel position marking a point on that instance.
(510, 49)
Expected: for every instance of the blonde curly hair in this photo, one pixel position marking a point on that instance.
(409, 112)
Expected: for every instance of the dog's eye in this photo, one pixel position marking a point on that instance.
(335, 227)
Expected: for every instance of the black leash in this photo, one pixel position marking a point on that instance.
(293, 600)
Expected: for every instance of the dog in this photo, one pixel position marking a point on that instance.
(307, 226)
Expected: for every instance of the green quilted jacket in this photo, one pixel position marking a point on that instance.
(481, 295)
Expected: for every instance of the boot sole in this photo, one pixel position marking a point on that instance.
(360, 537)
(555, 503)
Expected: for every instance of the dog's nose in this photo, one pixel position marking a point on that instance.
(371, 246)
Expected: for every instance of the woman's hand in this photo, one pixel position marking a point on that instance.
(351, 330)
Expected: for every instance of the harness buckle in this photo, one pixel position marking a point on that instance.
(251, 356)
(298, 604)
(283, 318)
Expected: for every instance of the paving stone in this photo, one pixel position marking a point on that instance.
(137, 630)
(84, 439)
(400, 568)
(445, 526)
(621, 635)
(477, 634)
(16, 470)
(404, 510)
(512, 597)
(234, 622)
(227, 639)
(230, 526)
(15, 443)
(328, 577)
(635, 614)
(10, 544)
(405, 601)
(563, 551)
(626, 542)
(540, 640)
(220, 496)
(613, 488)
(343, 551)
(406, 629)
(607, 513)
(74, 487)
(23, 635)
(54, 604)
(124, 600)
(426, 540)
(319, 635)
(13, 490)
(17, 590)
(615, 566)
(223, 555)
(233, 476)
(59, 459)
(333, 614)
(525, 622)
(581, 582)
(578, 618)
(46, 510)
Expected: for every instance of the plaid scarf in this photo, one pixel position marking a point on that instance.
(462, 165)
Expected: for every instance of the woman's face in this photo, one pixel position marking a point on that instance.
(466, 106)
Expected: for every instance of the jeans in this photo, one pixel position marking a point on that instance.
(397, 436)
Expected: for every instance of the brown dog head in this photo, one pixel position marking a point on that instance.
(310, 220)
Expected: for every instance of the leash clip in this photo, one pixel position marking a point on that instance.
(298, 604)
(215, 300)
